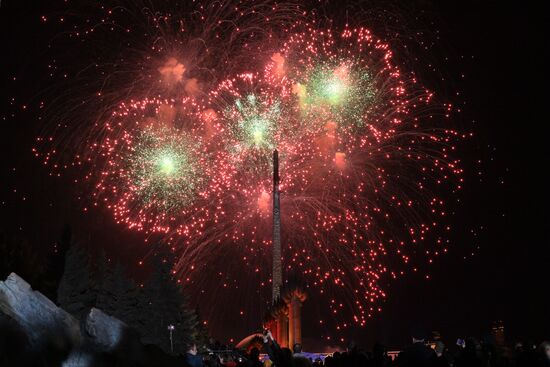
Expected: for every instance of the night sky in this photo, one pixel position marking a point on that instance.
(491, 54)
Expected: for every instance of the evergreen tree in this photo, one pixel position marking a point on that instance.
(75, 293)
(126, 306)
(202, 336)
(104, 285)
(117, 295)
(60, 251)
(56, 261)
(19, 256)
(165, 304)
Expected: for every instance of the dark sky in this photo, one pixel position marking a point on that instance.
(503, 218)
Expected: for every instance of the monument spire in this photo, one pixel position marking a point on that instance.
(277, 275)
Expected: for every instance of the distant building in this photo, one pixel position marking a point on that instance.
(497, 331)
(284, 317)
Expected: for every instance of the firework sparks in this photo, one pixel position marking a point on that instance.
(164, 169)
(255, 124)
(152, 171)
(337, 92)
(363, 158)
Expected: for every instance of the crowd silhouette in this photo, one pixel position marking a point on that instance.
(469, 352)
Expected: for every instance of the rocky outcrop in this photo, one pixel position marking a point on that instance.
(40, 319)
(103, 331)
(44, 323)
(39, 331)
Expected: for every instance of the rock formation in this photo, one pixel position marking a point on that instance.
(40, 318)
(103, 331)
(45, 328)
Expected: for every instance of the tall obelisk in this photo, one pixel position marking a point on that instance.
(277, 266)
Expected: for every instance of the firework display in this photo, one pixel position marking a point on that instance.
(364, 154)
(152, 170)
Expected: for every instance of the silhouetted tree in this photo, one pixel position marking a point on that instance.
(165, 304)
(103, 284)
(19, 256)
(56, 262)
(202, 337)
(76, 293)
(118, 295)
(60, 249)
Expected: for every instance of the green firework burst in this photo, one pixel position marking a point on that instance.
(165, 168)
(338, 92)
(253, 123)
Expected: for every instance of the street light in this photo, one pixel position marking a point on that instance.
(171, 330)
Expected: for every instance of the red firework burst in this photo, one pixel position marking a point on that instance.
(365, 154)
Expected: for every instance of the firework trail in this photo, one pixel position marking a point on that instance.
(182, 136)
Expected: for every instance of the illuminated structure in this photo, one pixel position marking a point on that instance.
(284, 318)
(497, 331)
(277, 265)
